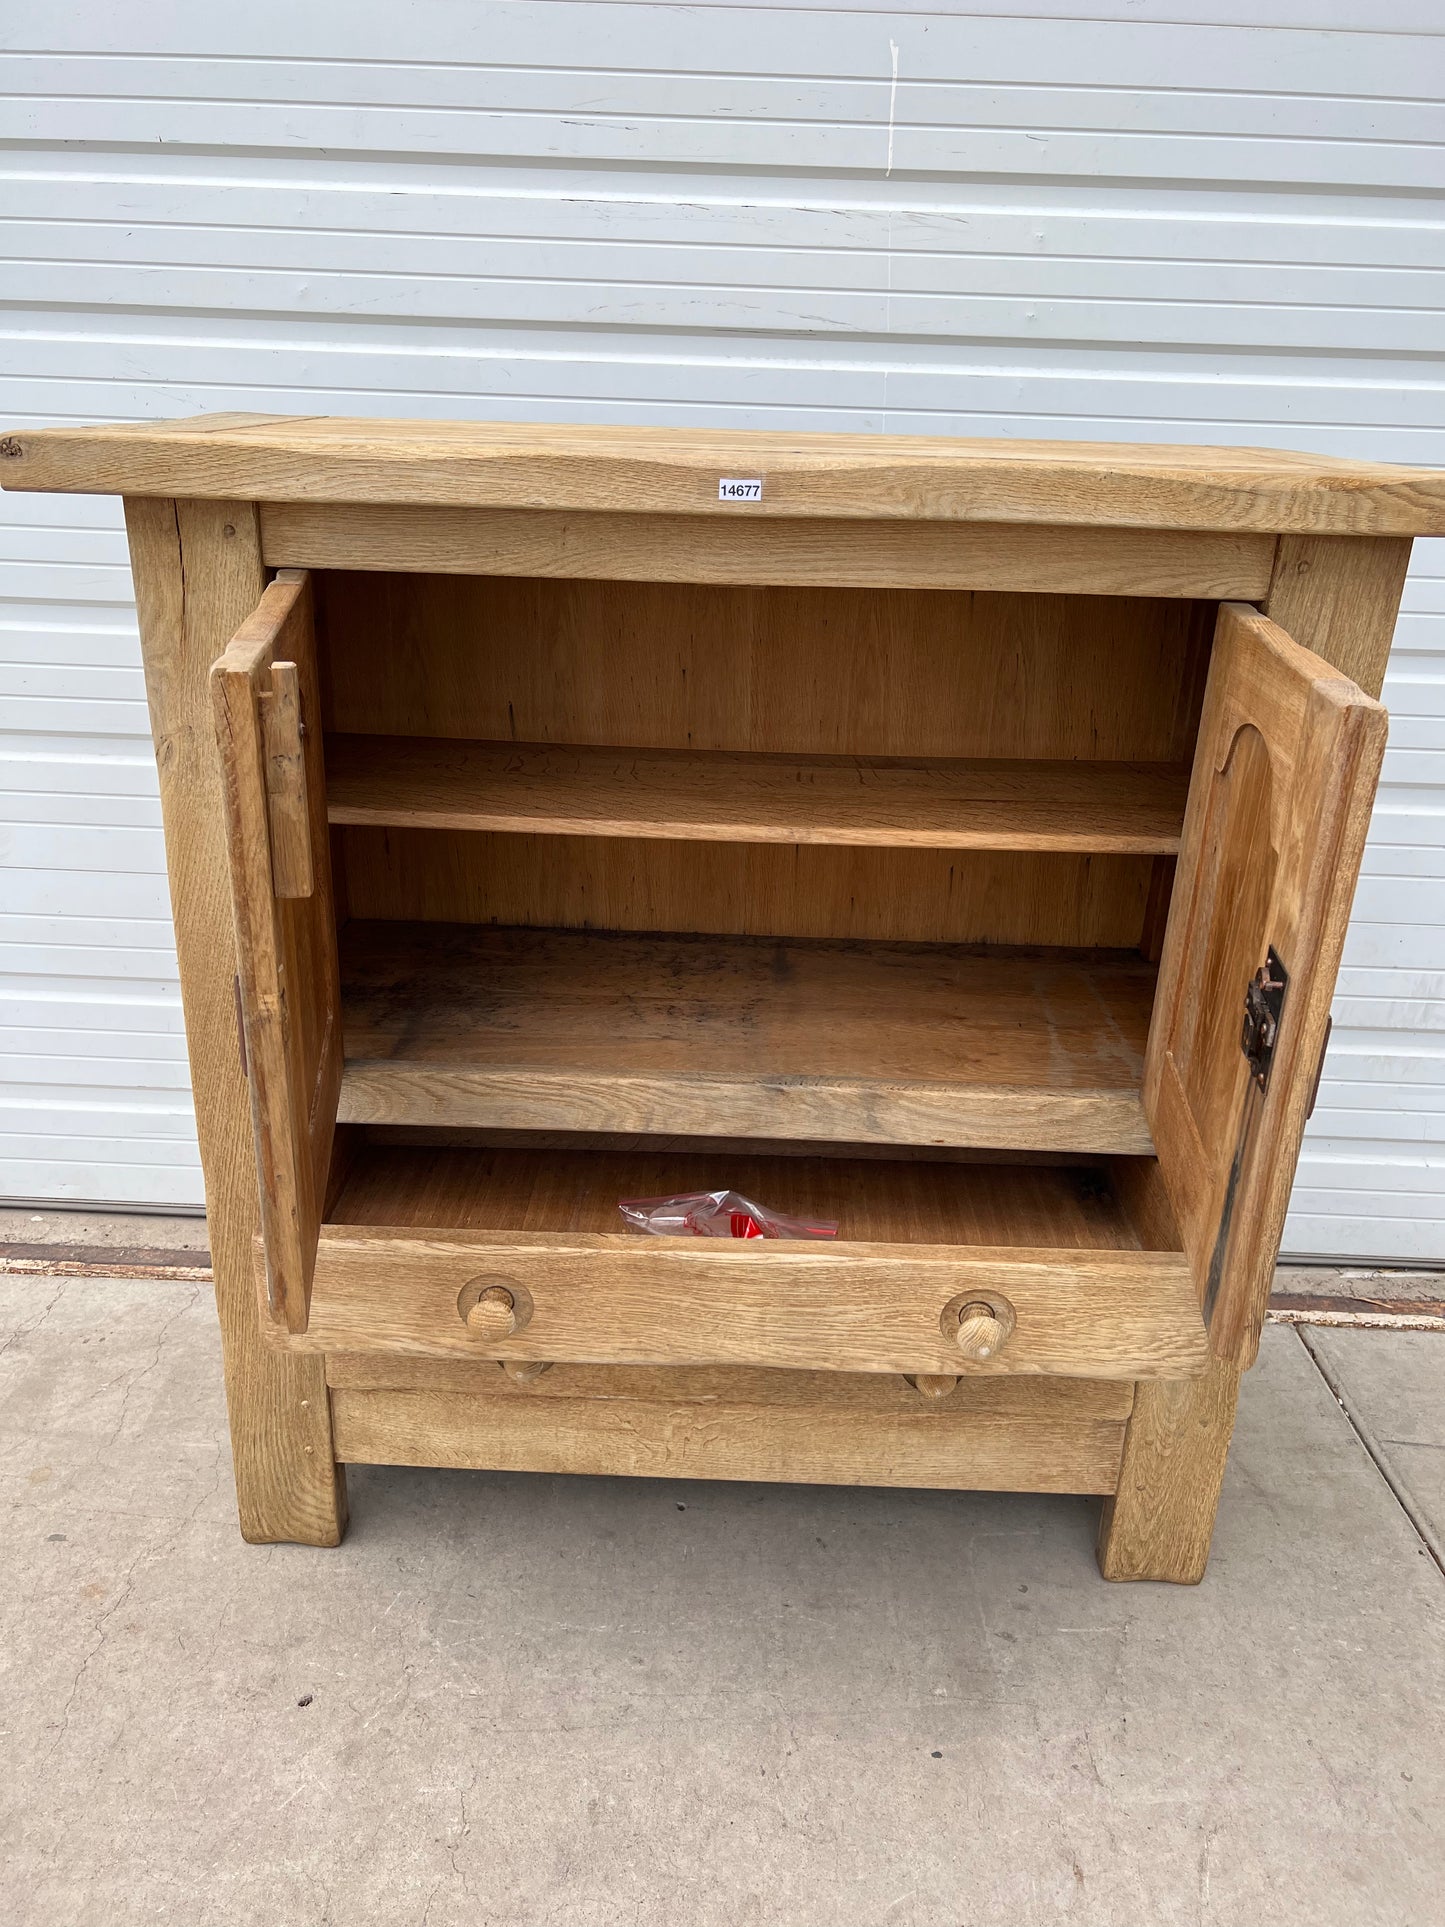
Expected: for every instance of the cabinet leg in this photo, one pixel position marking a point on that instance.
(1159, 1523)
(198, 575)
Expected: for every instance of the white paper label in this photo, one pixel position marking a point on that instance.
(733, 491)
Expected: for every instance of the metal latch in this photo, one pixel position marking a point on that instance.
(1263, 1006)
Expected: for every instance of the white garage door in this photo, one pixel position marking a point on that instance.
(1040, 222)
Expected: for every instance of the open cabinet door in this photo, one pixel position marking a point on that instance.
(273, 784)
(1288, 758)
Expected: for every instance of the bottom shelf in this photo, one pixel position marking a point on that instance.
(896, 1201)
(938, 1268)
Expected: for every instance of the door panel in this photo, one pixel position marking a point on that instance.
(273, 785)
(1288, 757)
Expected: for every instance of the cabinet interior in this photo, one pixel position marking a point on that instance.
(1106, 1204)
(851, 868)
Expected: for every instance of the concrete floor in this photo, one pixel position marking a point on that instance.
(24, 1226)
(602, 1704)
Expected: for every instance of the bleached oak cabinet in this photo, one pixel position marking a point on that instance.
(952, 838)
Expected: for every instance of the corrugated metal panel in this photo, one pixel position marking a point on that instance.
(1036, 221)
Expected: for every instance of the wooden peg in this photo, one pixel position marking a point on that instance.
(493, 1314)
(984, 1326)
(524, 1370)
(933, 1385)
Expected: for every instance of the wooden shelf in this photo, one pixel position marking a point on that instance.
(1037, 1206)
(866, 1043)
(932, 803)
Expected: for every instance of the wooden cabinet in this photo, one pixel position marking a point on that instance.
(956, 842)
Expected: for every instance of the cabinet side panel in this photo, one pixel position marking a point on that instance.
(198, 575)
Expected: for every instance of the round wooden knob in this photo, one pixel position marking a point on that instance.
(494, 1315)
(933, 1384)
(525, 1371)
(983, 1329)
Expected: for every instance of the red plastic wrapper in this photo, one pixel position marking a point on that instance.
(718, 1214)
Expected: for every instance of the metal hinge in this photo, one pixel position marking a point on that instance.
(1263, 1007)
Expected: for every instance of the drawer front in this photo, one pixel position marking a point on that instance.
(599, 1299)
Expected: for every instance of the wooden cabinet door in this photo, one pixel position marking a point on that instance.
(273, 783)
(1288, 757)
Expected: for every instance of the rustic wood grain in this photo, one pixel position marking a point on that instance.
(674, 470)
(1082, 1205)
(1339, 596)
(637, 1438)
(286, 939)
(1063, 1399)
(798, 551)
(418, 782)
(1159, 1521)
(746, 889)
(854, 1306)
(772, 671)
(412, 1229)
(1289, 754)
(283, 738)
(813, 671)
(575, 1030)
(198, 575)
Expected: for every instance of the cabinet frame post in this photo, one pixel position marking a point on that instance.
(1160, 1521)
(1339, 595)
(198, 574)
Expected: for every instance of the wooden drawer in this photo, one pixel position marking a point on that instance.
(844, 1307)
(944, 1268)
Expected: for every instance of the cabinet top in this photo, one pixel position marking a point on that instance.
(281, 458)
